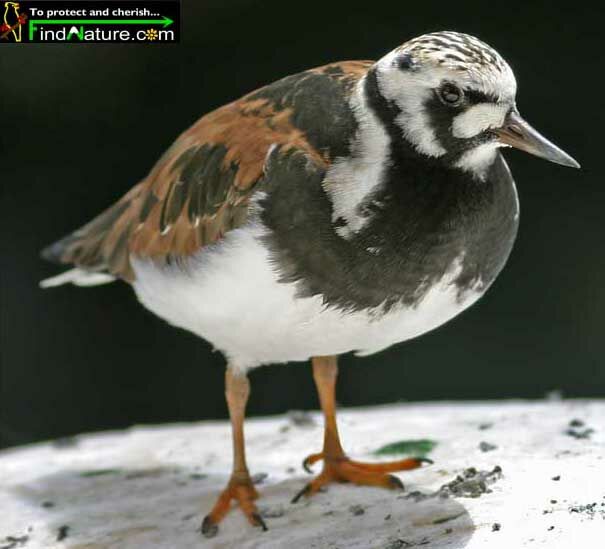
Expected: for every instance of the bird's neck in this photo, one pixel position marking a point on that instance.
(382, 162)
(352, 181)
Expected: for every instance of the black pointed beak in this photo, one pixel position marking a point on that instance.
(517, 133)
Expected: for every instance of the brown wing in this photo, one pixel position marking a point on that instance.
(201, 187)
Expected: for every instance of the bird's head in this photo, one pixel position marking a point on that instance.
(452, 97)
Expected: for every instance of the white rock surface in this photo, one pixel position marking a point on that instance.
(149, 486)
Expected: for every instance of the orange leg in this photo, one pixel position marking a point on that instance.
(240, 487)
(337, 466)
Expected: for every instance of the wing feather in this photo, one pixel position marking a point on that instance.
(202, 186)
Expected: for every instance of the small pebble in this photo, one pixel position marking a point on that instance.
(486, 446)
(551, 528)
(496, 527)
(558, 477)
(397, 544)
(15, 541)
(580, 434)
(63, 532)
(357, 510)
(259, 478)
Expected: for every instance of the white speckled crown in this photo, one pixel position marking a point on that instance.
(456, 51)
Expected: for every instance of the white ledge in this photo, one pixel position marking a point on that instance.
(148, 487)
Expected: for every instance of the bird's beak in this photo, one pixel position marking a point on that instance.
(517, 133)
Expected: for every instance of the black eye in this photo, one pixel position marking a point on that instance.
(451, 95)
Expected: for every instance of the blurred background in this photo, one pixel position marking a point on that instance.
(82, 124)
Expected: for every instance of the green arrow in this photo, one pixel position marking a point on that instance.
(165, 22)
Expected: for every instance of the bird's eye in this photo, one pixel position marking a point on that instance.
(451, 95)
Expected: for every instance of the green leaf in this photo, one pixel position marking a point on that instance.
(419, 448)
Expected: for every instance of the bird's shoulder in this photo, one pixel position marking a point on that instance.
(202, 186)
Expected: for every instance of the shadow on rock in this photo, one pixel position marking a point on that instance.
(162, 508)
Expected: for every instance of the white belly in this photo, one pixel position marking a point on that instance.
(229, 295)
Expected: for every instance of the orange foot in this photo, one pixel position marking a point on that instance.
(243, 491)
(343, 469)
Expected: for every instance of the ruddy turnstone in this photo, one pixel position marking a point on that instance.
(345, 208)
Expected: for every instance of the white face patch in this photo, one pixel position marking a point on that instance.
(478, 159)
(410, 90)
(478, 118)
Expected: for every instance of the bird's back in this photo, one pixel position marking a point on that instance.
(202, 186)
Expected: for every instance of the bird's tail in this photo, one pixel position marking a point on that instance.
(99, 250)
(78, 277)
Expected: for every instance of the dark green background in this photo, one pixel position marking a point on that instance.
(82, 124)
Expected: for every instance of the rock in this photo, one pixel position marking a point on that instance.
(151, 486)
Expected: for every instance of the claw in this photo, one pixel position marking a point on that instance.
(240, 489)
(342, 469)
(302, 493)
(259, 521)
(310, 460)
(305, 465)
(396, 482)
(208, 529)
(424, 460)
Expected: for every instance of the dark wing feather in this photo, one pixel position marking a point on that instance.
(201, 187)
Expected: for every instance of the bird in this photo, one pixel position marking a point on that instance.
(345, 208)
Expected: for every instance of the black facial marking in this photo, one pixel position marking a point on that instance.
(475, 96)
(441, 118)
